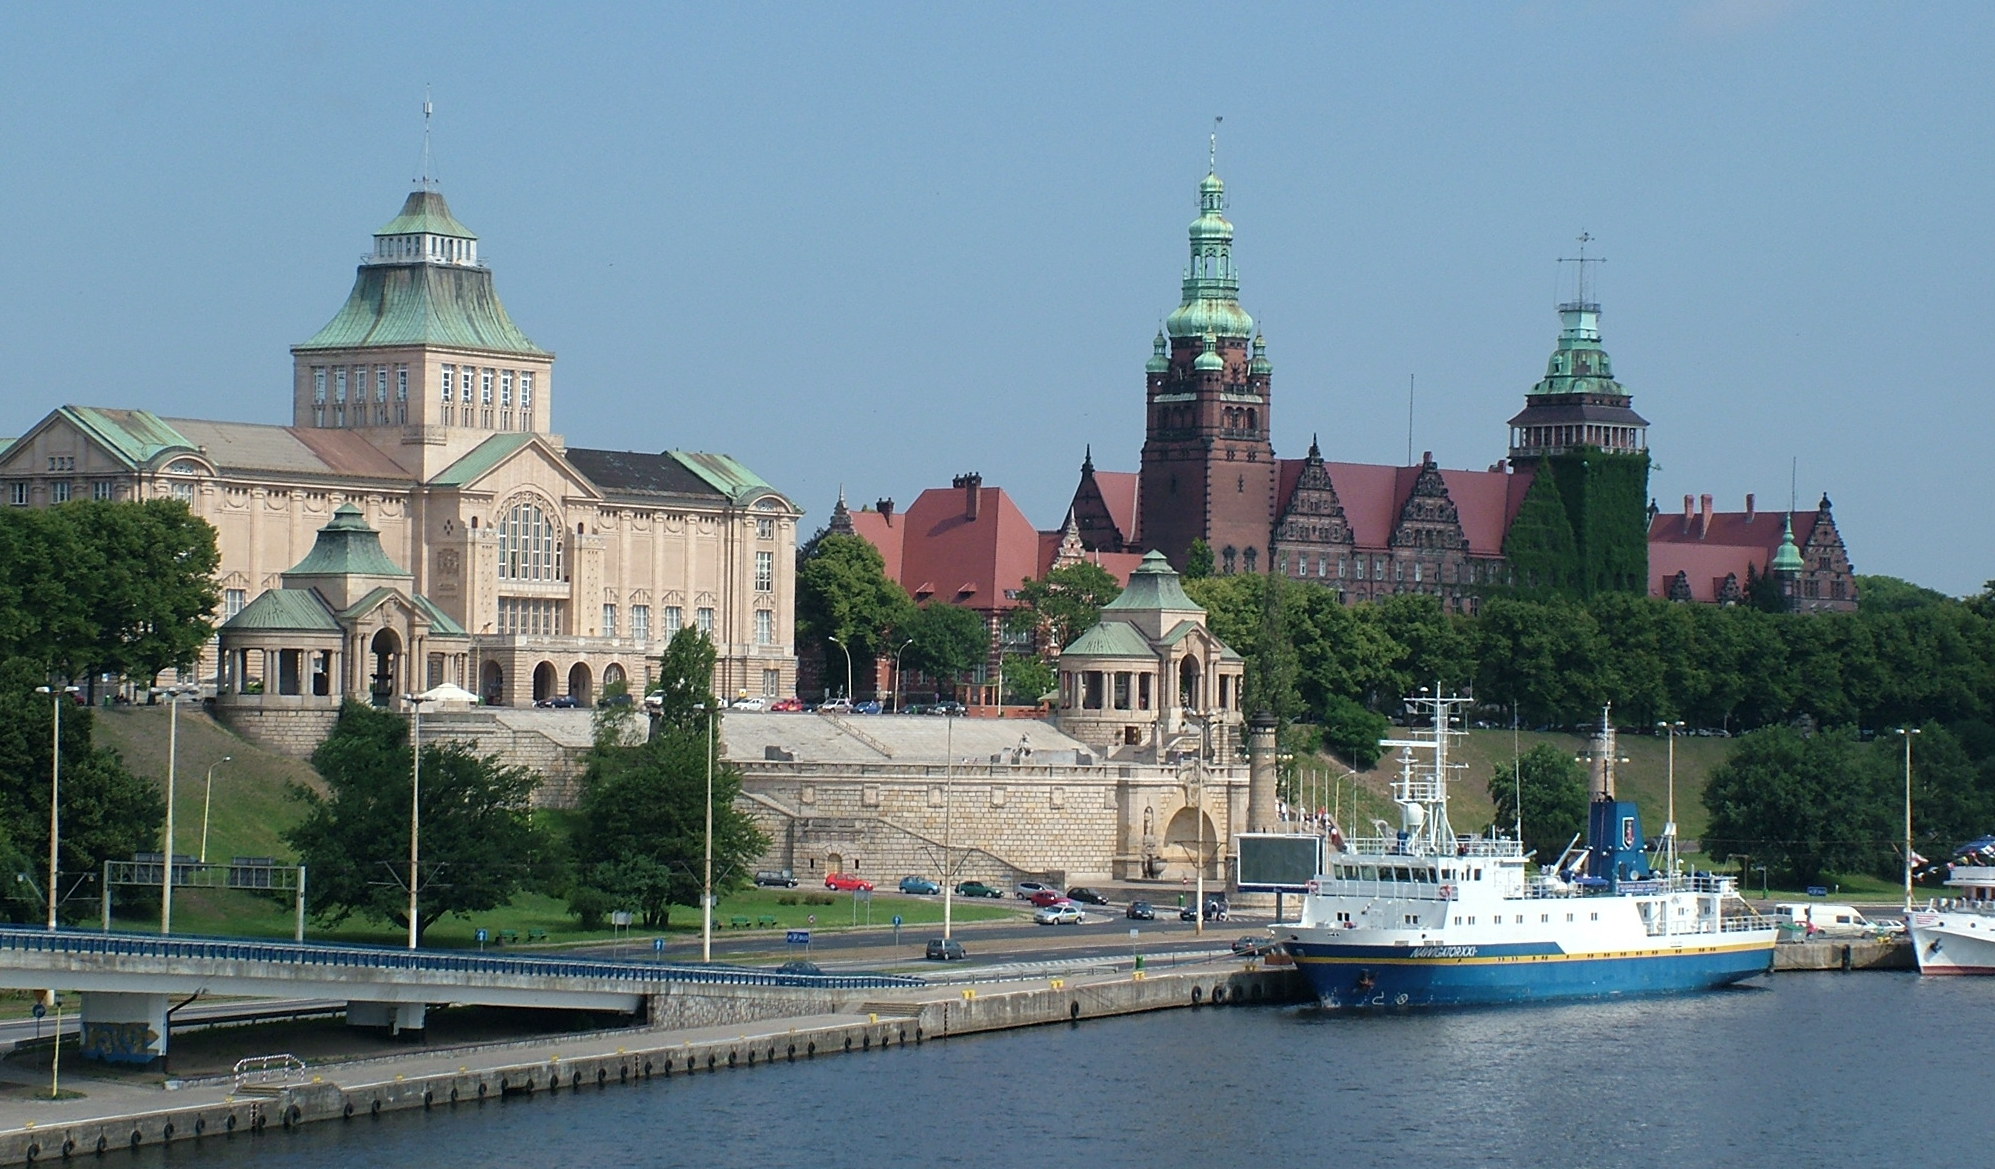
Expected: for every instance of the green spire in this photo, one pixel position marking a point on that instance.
(1211, 301)
(1260, 364)
(1788, 559)
(1208, 358)
(1160, 358)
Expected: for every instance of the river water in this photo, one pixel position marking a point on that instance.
(1808, 1070)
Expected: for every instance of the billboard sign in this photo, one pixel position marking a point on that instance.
(1269, 862)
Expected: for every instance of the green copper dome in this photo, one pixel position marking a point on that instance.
(1788, 558)
(1211, 302)
(1160, 358)
(1260, 364)
(1209, 358)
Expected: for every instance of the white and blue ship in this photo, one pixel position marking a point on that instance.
(1421, 917)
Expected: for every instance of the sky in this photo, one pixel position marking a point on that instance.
(872, 247)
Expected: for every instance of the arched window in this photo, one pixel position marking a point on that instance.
(529, 544)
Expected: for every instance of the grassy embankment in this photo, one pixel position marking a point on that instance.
(252, 806)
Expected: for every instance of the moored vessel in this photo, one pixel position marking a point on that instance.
(1418, 916)
(1957, 936)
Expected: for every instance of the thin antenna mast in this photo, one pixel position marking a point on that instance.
(1584, 294)
(428, 181)
(1212, 152)
(1409, 420)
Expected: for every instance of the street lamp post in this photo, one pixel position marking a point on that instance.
(1906, 733)
(948, 799)
(1669, 815)
(415, 806)
(706, 884)
(207, 801)
(173, 696)
(840, 643)
(897, 675)
(57, 695)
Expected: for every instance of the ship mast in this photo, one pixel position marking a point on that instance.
(1423, 799)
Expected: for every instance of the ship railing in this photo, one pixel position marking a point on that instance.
(1466, 846)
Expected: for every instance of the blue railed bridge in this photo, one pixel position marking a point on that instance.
(130, 982)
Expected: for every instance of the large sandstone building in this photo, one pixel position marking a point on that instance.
(423, 413)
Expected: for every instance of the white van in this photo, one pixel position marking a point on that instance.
(1822, 919)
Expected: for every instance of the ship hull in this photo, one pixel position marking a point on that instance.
(1360, 977)
(1953, 942)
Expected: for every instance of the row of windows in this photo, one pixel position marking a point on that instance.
(473, 387)
(1473, 571)
(703, 617)
(530, 545)
(531, 616)
(62, 491)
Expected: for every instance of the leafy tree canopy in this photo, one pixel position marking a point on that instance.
(1198, 561)
(948, 640)
(1804, 804)
(843, 591)
(479, 845)
(1553, 788)
(684, 691)
(1064, 604)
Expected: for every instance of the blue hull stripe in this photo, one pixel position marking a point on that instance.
(1342, 979)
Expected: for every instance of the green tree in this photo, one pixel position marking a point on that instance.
(1806, 805)
(1064, 604)
(480, 847)
(643, 838)
(1028, 678)
(949, 640)
(107, 812)
(684, 691)
(1553, 788)
(843, 592)
(1198, 561)
(1352, 732)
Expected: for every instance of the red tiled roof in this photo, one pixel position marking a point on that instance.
(1374, 495)
(1119, 492)
(883, 532)
(1487, 502)
(1716, 544)
(964, 561)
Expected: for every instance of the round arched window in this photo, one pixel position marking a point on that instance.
(529, 544)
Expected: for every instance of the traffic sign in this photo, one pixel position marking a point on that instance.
(40, 1010)
(811, 918)
(897, 921)
(658, 945)
(798, 937)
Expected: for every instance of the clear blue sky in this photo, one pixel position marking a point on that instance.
(882, 245)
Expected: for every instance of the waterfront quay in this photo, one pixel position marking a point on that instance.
(694, 1030)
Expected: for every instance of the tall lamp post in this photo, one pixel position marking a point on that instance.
(415, 805)
(173, 696)
(948, 799)
(706, 882)
(840, 643)
(1906, 733)
(57, 695)
(1669, 814)
(207, 801)
(897, 675)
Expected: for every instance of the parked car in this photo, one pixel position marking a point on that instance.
(799, 966)
(1140, 911)
(1214, 911)
(1046, 897)
(835, 706)
(1025, 889)
(609, 700)
(787, 704)
(1086, 896)
(846, 882)
(749, 702)
(870, 706)
(977, 889)
(1066, 914)
(776, 879)
(559, 702)
(1250, 946)
(945, 950)
(948, 708)
(919, 885)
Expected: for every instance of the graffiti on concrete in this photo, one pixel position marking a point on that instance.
(119, 1042)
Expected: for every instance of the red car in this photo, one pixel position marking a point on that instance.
(1046, 897)
(846, 882)
(787, 704)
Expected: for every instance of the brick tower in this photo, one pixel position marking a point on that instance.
(1208, 468)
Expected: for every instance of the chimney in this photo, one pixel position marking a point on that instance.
(972, 486)
(886, 509)
(1704, 516)
(1689, 511)
(1749, 507)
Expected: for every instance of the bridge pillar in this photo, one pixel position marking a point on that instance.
(393, 1018)
(122, 1027)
